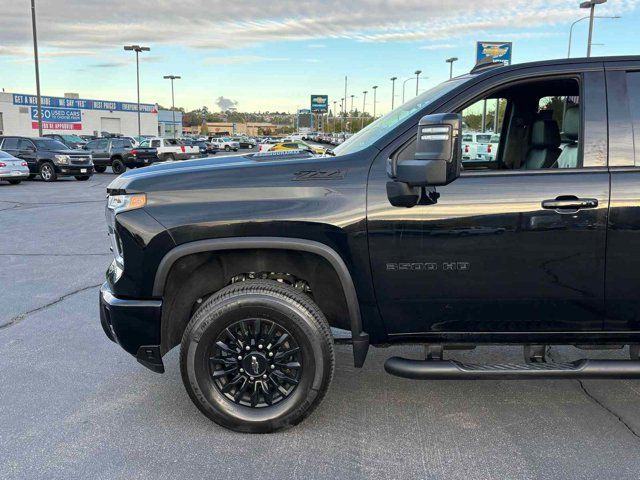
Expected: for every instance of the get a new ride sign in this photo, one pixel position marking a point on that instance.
(54, 118)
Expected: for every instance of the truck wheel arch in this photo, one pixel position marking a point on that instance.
(335, 261)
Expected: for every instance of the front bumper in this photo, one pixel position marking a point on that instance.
(72, 170)
(134, 325)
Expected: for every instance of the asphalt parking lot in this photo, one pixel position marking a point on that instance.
(73, 405)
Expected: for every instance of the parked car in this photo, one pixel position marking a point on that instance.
(245, 264)
(244, 142)
(225, 143)
(49, 158)
(12, 169)
(119, 154)
(171, 149)
(474, 145)
(70, 140)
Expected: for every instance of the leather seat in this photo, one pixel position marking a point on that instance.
(569, 156)
(545, 140)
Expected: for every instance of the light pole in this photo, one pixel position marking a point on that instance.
(137, 49)
(35, 56)
(343, 103)
(173, 103)
(417, 72)
(393, 91)
(450, 62)
(351, 109)
(403, 85)
(374, 88)
(364, 105)
(334, 115)
(579, 20)
(591, 5)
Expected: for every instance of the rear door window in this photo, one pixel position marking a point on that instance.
(10, 144)
(633, 89)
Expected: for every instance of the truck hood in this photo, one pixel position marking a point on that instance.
(207, 172)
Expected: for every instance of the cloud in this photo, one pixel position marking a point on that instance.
(225, 104)
(438, 46)
(90, 25)
(239, 59)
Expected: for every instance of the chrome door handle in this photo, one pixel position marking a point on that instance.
(570, 202)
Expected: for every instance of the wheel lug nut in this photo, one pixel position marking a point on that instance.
(239, 357)
(264, 376)
(242, 370)
(271, 354)
(260, 347)
(247, 348)
(273, 367)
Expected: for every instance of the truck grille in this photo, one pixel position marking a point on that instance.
(80, 159)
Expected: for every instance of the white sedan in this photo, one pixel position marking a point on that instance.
(12, 169)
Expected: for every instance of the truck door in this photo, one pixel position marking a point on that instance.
(623, 237)
(516, 244)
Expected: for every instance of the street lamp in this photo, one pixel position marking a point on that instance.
(137, 49)
(417, 72)
(393, 90)
(403, 85)
(591, 4)
(351, 109)
(364, 105)
(374, 88)
(579, 20)
(450, 62)
(35, 56)
(173, 103)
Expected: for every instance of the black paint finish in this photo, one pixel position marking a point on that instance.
(486, 264)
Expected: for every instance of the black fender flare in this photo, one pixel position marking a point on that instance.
(360, 339)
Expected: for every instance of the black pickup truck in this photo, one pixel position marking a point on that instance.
(119, 154)
(246, 262)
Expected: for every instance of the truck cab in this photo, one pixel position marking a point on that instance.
(246, 263)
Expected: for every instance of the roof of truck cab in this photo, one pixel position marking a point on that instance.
(559, 61)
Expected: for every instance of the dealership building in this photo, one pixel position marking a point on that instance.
(71, 114)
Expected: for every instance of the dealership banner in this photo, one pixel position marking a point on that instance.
(54, 118)
(320, 103)
(499, 51)
(79, 103)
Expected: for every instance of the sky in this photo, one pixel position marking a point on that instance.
(271, 56)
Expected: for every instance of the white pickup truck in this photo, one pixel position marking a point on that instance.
(171, 149)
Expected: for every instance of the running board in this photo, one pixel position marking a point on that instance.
(453, 370)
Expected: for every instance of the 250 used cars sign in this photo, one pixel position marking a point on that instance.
(57, 118)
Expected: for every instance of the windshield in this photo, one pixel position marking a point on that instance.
(388, 122)
(72, 138)
(48, 144)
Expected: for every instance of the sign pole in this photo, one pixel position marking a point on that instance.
(35, 55)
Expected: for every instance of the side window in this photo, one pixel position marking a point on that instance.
(102, 144)
(90, 145)
(10, 144)
(482, 121)
(155, 143)
(633, 90)
(25, 144)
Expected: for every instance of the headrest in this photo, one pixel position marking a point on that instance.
(571, 124)
(545, 134)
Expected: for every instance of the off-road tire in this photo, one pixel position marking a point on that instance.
(100, 168)
(273, 303)
(118, 167)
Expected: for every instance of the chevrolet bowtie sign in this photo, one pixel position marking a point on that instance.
(320, 103)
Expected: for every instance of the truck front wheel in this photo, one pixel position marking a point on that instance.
(257, 356)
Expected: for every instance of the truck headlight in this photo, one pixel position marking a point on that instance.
(61, 159)
(123, 203)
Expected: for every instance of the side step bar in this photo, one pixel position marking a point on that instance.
(453, 370)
